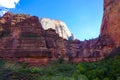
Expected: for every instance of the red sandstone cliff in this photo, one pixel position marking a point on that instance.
(111, 20)
(23, 39)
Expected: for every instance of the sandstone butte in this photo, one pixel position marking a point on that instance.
(22, 39)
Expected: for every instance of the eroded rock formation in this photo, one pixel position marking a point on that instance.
(59, 26)
(111, 20)
(23, 39)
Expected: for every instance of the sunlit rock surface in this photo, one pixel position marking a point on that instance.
(111, 20)
(59, 26)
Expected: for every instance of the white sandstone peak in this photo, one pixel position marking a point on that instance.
(60, 27)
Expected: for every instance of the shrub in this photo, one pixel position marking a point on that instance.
(81, 67)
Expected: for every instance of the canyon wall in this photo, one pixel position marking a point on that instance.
(111, 20)
(23, 39)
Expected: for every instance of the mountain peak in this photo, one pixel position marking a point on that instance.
(59, 26)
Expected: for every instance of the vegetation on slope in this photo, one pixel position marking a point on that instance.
(107, 69)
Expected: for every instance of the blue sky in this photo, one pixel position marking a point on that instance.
(83, 17)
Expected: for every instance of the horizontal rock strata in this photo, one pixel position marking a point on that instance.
(23, 39)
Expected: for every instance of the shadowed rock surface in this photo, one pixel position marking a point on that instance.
(23, 39)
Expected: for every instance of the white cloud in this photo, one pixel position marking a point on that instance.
(5, 5)
(8, 3)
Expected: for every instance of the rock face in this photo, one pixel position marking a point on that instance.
(23, 39)
(59, 26)
(111, 20)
